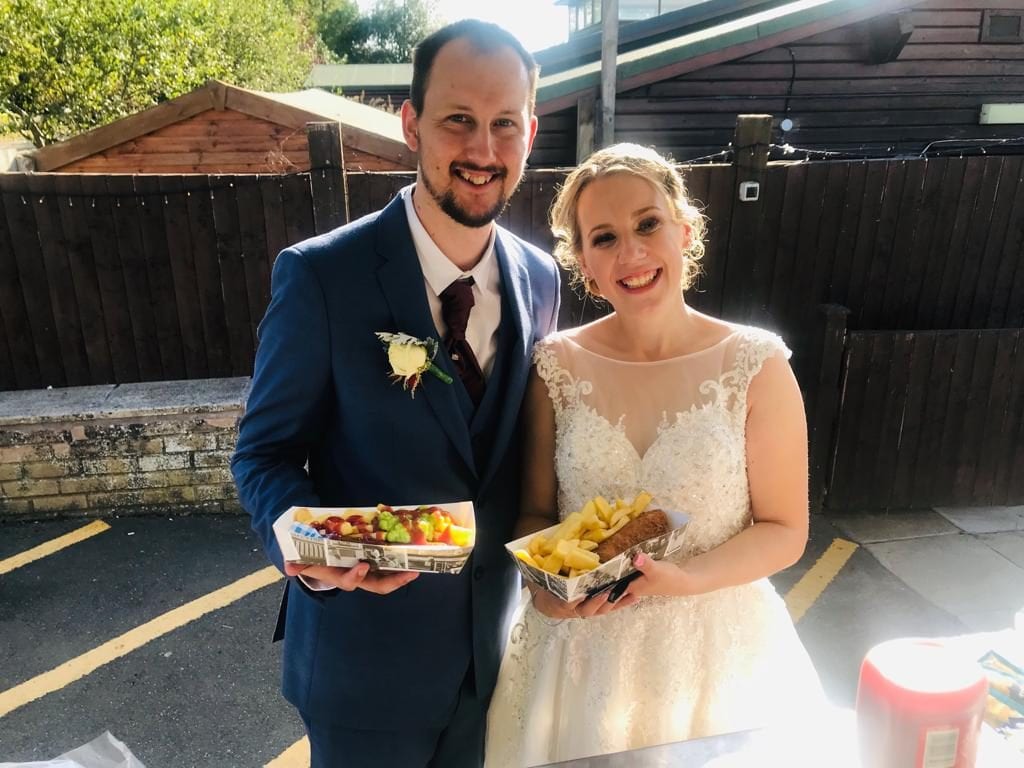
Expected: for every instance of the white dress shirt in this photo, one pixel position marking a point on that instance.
(439, 272)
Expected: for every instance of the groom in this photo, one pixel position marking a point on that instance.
(397, 670)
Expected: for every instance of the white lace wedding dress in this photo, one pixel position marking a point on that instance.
(666, 669)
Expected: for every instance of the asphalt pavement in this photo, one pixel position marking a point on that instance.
(158, 630)
(205, 694)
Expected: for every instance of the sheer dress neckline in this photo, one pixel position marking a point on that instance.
(718, 344)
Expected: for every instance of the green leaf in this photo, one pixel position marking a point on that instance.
(67, 66)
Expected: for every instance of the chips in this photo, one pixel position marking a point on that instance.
(568, 550)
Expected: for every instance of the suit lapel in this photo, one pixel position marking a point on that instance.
(515, 283)
(401, 281)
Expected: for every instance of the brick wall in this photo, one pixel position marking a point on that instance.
(156, 448)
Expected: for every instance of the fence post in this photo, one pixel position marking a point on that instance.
(327, 176)
(750, 144)
(825, 397)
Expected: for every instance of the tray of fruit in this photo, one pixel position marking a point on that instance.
(435, 538)
(592, 549)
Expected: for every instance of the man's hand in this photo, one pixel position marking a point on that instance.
(351, 579)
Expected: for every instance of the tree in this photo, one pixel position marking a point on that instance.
(387, 35)
(70, 65)
(343, 29)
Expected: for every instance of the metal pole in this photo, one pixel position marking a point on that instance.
(609, 53)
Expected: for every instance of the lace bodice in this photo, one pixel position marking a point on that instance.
(675, 428)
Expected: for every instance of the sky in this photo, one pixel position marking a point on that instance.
(538, 23)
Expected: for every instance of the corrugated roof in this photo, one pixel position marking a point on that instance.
(342, 110)
(360, 75)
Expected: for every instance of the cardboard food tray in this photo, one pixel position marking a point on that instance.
(606, 575)
(302, 544)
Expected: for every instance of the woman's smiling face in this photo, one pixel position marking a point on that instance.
(631, 245)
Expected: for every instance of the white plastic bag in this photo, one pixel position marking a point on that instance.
(104, 751)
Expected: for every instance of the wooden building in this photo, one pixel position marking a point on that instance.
(867, 78)
(870, 79)
(219, 128)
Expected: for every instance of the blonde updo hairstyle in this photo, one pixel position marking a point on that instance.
(638, 161)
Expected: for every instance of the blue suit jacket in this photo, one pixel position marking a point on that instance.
(325, 426)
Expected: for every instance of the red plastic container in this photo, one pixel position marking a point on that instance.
(919, 706)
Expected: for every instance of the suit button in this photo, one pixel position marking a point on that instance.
(478, 573)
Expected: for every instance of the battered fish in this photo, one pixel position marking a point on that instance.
(646, 525)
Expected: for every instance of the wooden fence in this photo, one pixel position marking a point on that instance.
(136, 278)
(905, 244)
(928, 419)
(119, 278)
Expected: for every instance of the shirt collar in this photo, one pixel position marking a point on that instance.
(438, 270)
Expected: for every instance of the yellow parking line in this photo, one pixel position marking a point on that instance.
(29, 555)
(803, 594)
(88, 662)
(296, 756)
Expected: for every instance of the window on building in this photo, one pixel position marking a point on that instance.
(635, 10)
(586, 14)
(1002, 27)
(665, 6)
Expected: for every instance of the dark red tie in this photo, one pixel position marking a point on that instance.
(456, 302)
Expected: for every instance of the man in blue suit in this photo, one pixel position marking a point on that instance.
(397, 670)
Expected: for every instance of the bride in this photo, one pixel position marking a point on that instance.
(707, 417)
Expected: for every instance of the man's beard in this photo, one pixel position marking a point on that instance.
(447, 202)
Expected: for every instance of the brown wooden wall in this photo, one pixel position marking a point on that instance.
(97, 272)
(930, 419)
(932, 92)
(218, 141)
(555, 145)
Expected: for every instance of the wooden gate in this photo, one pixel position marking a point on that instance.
(929, 418)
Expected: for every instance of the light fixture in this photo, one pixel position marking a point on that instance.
(1001, 114)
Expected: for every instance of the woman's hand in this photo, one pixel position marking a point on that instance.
(583, 608)
(660, 578)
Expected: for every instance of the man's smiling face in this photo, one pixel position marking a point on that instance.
(474, 132)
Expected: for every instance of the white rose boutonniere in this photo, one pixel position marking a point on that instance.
(410, 358)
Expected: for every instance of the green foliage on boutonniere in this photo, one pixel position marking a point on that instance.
(410, 358)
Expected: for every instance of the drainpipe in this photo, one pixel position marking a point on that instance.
(609, 54)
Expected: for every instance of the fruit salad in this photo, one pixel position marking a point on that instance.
(417, 526)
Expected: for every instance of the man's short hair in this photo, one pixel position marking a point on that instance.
(483, 36)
